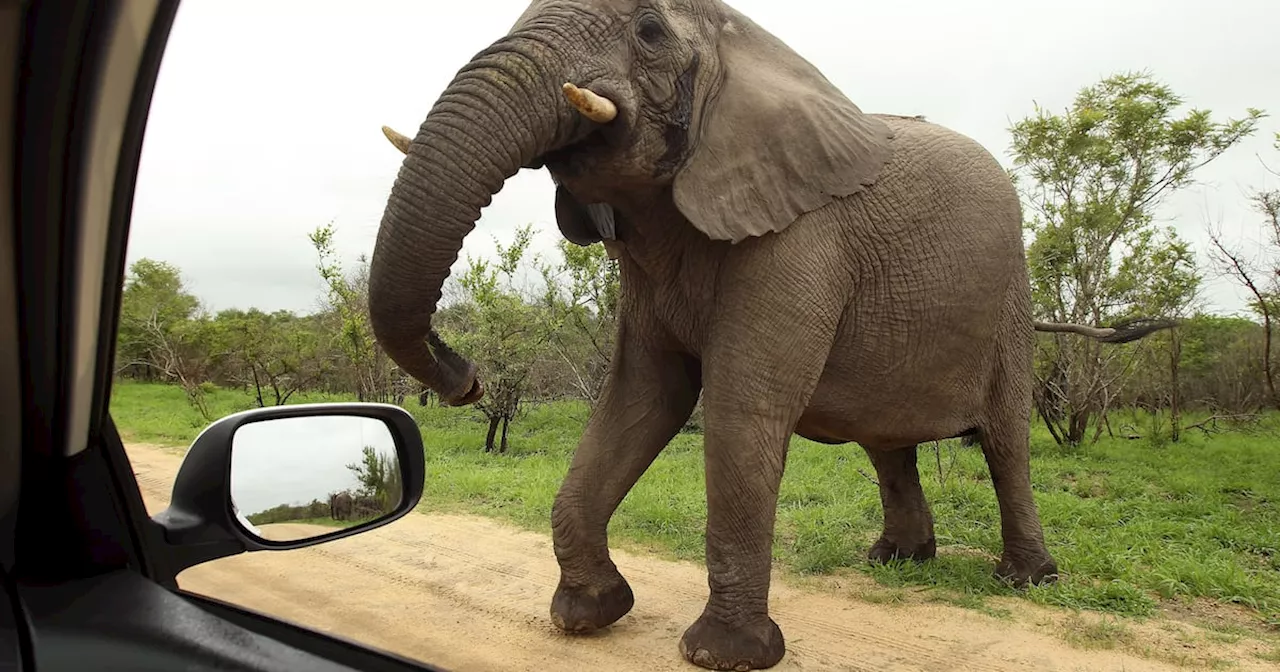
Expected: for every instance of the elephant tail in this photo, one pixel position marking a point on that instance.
(1123, 332)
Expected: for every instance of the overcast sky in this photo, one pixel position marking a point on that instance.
(265, 121)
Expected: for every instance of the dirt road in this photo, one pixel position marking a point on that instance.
(470, 594)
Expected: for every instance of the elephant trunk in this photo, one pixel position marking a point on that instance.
(503, 110)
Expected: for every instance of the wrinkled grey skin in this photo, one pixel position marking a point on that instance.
(810, 268)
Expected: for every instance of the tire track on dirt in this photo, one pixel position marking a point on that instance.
(470, 593)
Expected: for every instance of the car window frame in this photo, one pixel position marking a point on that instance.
(64, 49)
(82, 521)
(10, 356)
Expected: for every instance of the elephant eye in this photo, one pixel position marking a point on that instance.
(651, 30)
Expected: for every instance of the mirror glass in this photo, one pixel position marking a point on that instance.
(298, 478)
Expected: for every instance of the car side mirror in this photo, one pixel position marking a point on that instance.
(286, 477)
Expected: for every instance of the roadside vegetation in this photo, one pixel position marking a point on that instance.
(1131, 523)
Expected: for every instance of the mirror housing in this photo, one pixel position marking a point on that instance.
(200, 523)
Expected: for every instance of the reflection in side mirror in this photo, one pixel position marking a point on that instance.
(295, 478)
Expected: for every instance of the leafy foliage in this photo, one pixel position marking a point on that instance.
(377, 378)
(274, 354)
(379, 477)
(591, 296)
(163, 331)
(154, 305)
(313, 511)
(508, 332)
(1258, 273)
(1098, 172)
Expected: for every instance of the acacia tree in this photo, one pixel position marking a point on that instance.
(1258, 273)
(377, 378)
(1174, 291)
(1220, 356)
(164, 332)
(585, 345)
(155, 302)
(379, 477)
(1096, 173)
(273, 354)
(505, 329)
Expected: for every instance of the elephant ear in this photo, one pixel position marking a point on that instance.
(776, 141)
(583, 224)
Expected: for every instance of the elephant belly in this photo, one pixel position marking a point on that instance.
(891, 421)
(915, 367)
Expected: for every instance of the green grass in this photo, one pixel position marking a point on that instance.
(160, 414)
(1130, 523)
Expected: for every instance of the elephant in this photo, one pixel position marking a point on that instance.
(340, 506)
(806, 267)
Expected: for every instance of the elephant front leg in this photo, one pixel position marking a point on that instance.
(908, 523)
(745, 456)
(749, 418)
(649, 395)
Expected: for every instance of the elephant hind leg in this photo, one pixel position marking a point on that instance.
(1005, 439)
(908, 523)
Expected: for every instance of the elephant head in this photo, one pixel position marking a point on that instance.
(623, 101)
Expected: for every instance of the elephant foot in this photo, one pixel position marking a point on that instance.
(1019, 571)
(884, 550)
(715, 645)
(582, 609)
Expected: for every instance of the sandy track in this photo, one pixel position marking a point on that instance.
(469, 594)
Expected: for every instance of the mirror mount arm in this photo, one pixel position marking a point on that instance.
(199, 524)
(193, 540)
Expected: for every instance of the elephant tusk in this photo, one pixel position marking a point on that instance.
(401, 142)
(592, 105)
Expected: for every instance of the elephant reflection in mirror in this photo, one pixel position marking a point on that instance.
(808, 267)
(340, 506)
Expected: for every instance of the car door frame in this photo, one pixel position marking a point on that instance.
(80, 515)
